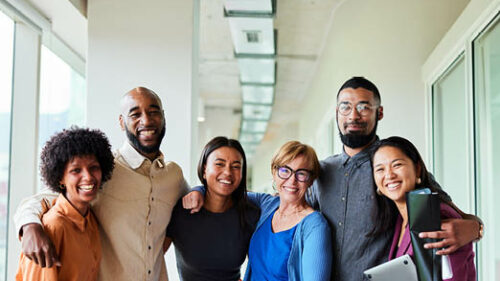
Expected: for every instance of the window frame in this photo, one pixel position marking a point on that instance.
(31, 30)
(464, 45)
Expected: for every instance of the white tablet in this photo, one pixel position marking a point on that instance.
(401, 268)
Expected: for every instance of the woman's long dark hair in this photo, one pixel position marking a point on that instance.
(239, 196)
(387, 210)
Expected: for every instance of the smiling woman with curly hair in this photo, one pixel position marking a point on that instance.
(75, 163)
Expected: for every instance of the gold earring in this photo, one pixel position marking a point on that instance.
(419, 181)
(379, 192)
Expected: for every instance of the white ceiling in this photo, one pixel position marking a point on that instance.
(301, 28)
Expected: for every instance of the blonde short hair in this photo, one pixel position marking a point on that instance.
(291, 150)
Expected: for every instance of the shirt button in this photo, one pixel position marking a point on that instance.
(149, 271)
(343, 198)
(346, 174)
(340, 223)
(149, 247)
(152, 199)
(149, 223)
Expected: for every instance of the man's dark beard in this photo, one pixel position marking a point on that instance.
(141, 148)
(357, 141)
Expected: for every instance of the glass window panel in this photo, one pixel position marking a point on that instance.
(6, 60)
(253, 126)
(450, 141)
(62, 96)
(258, 94)
(256, 112)
(257, 70)
(487, 121)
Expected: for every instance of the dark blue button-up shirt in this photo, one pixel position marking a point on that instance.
(345, 194)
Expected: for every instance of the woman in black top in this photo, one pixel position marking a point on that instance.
(213, 243)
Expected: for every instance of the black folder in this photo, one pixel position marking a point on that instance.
(424, 215)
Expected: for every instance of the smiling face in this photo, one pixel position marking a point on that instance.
(143, 120)
(223, 171)
(394, 173)
(81, 179)
(292, 190)
(358, 130)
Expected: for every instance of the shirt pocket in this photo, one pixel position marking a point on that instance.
(366, 212)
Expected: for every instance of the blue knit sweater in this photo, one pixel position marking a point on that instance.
(311, 254)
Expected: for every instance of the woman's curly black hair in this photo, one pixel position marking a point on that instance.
(65, 145)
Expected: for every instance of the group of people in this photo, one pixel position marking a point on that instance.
(114, 217)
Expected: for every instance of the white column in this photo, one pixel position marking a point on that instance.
(23, 170)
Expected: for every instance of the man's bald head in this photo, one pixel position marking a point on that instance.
(143, 120)
(135, 92)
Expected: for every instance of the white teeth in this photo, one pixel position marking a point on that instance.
(291, 189)
(225, 181)
(86, 187)
(392, 185)
(148, 132)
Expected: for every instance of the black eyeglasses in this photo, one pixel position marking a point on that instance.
(301, 175)
(363, 109)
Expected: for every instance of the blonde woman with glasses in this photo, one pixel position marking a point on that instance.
(291, 241)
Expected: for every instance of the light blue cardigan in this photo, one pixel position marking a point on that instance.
(311, 254)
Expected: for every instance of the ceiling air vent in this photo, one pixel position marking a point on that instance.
(252, 36)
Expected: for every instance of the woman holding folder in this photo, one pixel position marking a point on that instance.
(397, 169)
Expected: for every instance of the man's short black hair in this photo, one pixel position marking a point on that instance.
(361, 82)
(65, 145)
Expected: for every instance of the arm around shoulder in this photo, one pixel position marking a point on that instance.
(259, 199)
(31, 209)
(35, 243)
(455, 232)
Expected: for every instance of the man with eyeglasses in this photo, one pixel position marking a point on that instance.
(345, 191)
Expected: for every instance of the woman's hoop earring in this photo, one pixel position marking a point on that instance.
(379, 192)
(419, 181)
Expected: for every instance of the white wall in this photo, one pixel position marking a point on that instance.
(132, 44)
(454, 41)
(386, 41)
